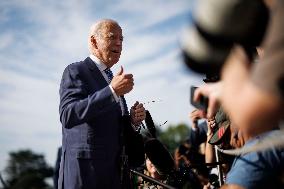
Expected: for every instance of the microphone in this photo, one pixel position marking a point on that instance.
(150, 124)
(159, 156)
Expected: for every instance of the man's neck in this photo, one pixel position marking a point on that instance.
(98, 62)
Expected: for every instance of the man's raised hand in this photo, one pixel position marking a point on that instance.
(122, 83)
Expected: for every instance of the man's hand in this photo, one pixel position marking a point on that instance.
(122, 83)
(137, 113)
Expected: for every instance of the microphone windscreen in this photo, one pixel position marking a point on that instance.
(150, 124)
(159, 156)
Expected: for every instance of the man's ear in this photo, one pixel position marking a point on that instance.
(94, 42)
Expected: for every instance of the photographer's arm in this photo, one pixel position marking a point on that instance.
(248, 105)
(194, 116)
(209, 148)
(231, 186)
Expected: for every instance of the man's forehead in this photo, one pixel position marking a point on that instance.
(111, 26)
(111, 30)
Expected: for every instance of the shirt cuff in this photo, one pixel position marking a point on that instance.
(114, 94)
(135, 127)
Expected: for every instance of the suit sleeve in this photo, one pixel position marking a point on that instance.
(76, 105)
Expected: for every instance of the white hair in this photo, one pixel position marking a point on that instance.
(95, 30)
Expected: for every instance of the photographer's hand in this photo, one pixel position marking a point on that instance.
(211, 124)
(213, 92)
(195, 115)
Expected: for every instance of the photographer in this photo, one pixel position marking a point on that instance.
(198, 130)
(190, 163)
(253, 98)
(151, 171)
(258, 87)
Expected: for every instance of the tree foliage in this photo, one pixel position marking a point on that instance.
(174, 135)
(27, 170)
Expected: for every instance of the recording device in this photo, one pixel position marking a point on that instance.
(159, 156)
(202, 103)
(133, 144)
(217, 26)
(165, 166)
(150, 124)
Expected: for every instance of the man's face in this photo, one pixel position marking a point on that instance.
(150, 167)
(109, 44)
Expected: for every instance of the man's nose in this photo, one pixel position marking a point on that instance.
(118, 42)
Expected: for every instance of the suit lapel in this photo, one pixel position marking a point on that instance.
(97, 75)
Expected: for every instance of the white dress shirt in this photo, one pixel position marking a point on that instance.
(101, 66)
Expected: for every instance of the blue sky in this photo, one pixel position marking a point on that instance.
(39, 38)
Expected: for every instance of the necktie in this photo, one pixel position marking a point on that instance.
(109, 74)
(122, 100)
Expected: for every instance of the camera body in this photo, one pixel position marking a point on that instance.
(217, 26)
(202, 103)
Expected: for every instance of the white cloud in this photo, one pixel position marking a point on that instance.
(6, 40)
(150, 12)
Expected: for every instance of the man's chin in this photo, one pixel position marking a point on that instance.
(113, 61)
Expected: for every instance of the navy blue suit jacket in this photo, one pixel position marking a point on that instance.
(91, 127)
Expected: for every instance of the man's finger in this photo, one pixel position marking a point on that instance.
(139, 105)
(135, 104)
(196, 95)
(128, 76)
(211, 110)
(120, 72)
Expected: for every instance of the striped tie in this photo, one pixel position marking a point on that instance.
(109, 74)
(122, 100)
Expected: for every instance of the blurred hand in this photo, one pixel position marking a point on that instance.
(213, 92)
(180, 157)
(207, 186)
(237, 93)
(137, 113)
(211, 124)
(122, 83)
(195, 115)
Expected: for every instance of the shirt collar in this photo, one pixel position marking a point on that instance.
(98, 63)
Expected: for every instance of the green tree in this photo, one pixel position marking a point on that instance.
(174, 135)
(27, 170)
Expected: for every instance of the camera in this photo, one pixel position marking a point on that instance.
(202, 103)
(217, 26)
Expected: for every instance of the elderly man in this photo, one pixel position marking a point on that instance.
(92, 105)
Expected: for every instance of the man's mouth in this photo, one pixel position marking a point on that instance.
(115, 51)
